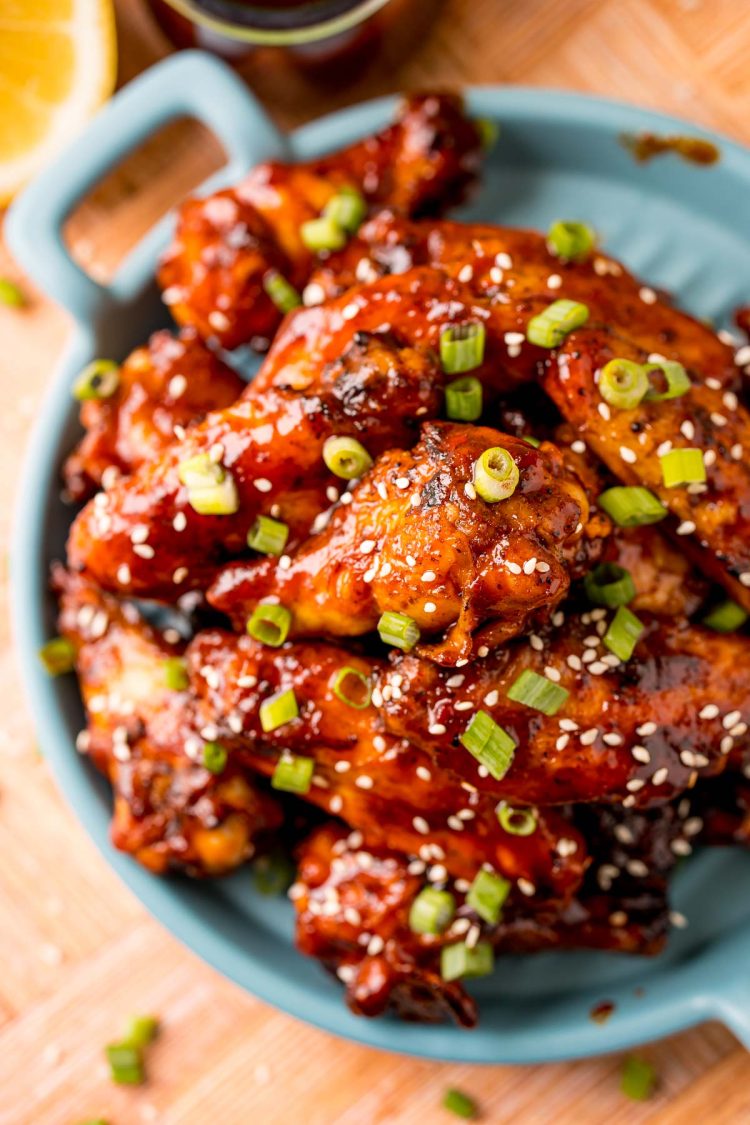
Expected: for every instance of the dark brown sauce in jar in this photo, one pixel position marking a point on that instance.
(696, 150)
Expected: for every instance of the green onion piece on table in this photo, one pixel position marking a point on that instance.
(682, 466)
(352, 687)
(458, 960)
(100, 379)
(623, 384)
(462, 347)
(570, 240)
(293, 774)
(273, 874)
(58, 656)
(399, 630)
(632, 506)
(282, 293)
(268, 536)
(492, 746)
(638, 1079)
(623, 633)
(463, 399)
(609, 585)
(432, 911)
(496, 475)
(460, 1104)
(141, 1031)
(537, 692)
(11, 294)
(549, 328)
(346, 457)
(125, 1064)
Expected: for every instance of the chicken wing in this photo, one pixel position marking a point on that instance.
(213, 274)
(416, 539)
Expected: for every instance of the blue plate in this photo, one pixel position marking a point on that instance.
(685, 228)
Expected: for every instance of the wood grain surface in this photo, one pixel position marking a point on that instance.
(78, 952)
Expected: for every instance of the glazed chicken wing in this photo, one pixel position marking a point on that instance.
(227, 244)
(416, 539)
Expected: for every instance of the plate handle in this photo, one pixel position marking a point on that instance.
(191, 83)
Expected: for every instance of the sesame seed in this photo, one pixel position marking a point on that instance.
(438, 873)
(726, 745)
(635, 784)
(660, 776)
(123, 574)
(526, 887)
(483, 651)
(566, 847)
(562, 742)
(402, 482)
(464, 705)
(692, 826)
(687, 527)
(687, 429)
(681, 847)
(411, 561)
(455, 681)
(491, 698)
(542, 567)
(731, 719)
(504, 261)
(612, 738)
(364, 782)
(745, 578)
(645, 729)
(437, 728)
(636, 867)
(574, 662)
(578, 447)
(552, 674)
(179, 523)
(739, 730)
(737, 451)
(456, 824)
(647, 295)
(470, 490)
(588, 736)
(678, 920)
(718, 419)
(628, 455)
(664, 448)
(514, 568)
(342, 766)
(179, 575)
(144, 550)
(262, 484)
(423, 773)
(742, 356)
(598, 667)
(428, 576)
(709, 458)
(429, 607)
(554, 281)
(536, 642)
(618, 917)
(568, 724)
(604, 411)
(710, 711)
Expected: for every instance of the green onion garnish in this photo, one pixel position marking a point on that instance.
(496, 475)
(571, 241)
(398, 630)
(487, 894)
(610, 585)
(492, 746)
(100, 379)
(270, 624)
(537, 692)
(346, 209)
(214, 757)
(462, 347)
(273, 874)
(432, 911)
(488, 131)
(682, 466)
(346, 457)
(211, 489)
(10, 294)
(623, 633)
(141, 1031)
(516, 822)
(678, 380)
(94, 1121)
(534, 442)
(726, 617)
(268, 536)
(293, 773)
(455, 1101)
(352, 687)
(322, 234)
(632, 507)
(58, 656)
(463, 399)
(283, 294)
(459, 960)
(638, 1079)
(549, 328)
(175, 673)
(623, 384)
(125, 1064)
(279, 709)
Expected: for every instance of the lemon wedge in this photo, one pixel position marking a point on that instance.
(58, 63)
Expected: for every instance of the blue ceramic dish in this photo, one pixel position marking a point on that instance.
(684, 228)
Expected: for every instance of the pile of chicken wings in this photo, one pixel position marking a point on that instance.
(360, 605)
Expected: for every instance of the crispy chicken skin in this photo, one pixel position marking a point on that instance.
(224, 245)
(417, 539)
(165, 386)
(170, 812)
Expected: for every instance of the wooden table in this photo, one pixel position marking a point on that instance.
(78, 952)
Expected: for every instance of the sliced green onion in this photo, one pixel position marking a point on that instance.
(432, 911)
(279, 709)
(532, 441)
(638, 1079)
(141, 1031)
(346, 457)
(293, 774)
(211, 489)
(462, 347)
(352, 687)
(459, 960)
(214, 757)
(125, 1064)
(487, 894)
(537, 692)
(678, 380)
(100, 379)
(682, 466)
(283, 294)
(398, 630)
(570, 240)
(268, 536)
(632, 507)
(496, 475)
(175, 673)
(549, 328)
(322, 234)
(273, 874)
(726, 617)
(11, 294)
(455, 1101)
(58, 656)
(610, 585)
(623, 384)
(623, 633)
(270, 624)
(94, 1121)
(516, 822)
(346, 209)
(488, 132)
(463, 399)
(492, 746)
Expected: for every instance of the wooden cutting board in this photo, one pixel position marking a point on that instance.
(77, 950)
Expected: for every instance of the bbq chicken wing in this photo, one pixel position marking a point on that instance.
(161, 389)
(417, 539)
(215, 273)
(170, 812)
